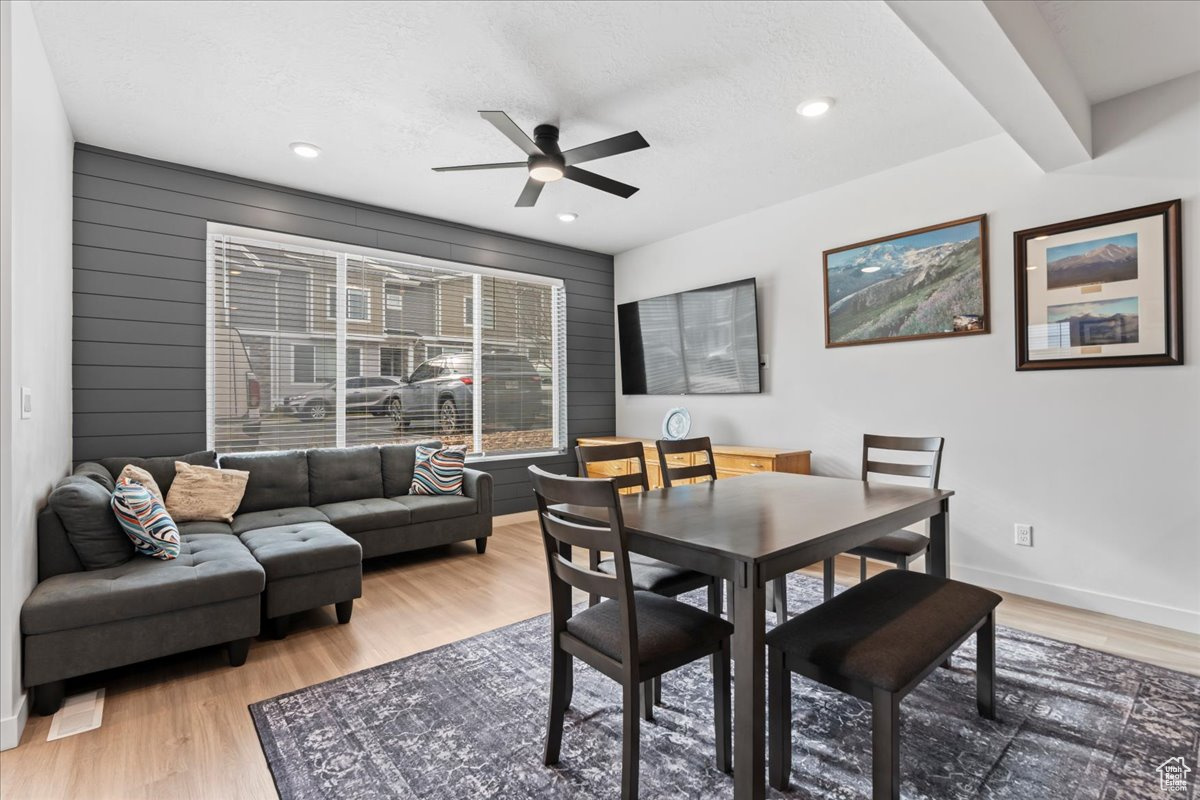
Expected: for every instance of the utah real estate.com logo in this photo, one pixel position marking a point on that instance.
(1173, 774)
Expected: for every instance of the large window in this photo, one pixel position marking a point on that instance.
(313, 344)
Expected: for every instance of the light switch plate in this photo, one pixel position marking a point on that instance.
(26, 402)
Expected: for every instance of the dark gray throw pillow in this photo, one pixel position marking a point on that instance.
(84, 506)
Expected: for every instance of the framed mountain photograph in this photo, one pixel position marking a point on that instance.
(920, 284)
(1101, 291)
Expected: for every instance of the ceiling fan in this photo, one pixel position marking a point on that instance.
(548, 163)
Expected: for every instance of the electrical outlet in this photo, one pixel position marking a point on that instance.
(1023, 534)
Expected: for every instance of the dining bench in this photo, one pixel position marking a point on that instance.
(877, 641)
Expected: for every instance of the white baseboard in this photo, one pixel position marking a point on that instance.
(12, 727)
(1154, 613)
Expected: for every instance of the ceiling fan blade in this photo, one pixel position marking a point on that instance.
(599, 182)
(505, 165)
(529, 195)
(608, 147)
(510, 129)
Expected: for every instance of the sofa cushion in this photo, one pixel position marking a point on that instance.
(144, 520)
(277, 480)
(83, 507)
(206, 493)
(397, 462)
(162, 468)
(275, 517)
(287, 551)
(369, 514)
(206, 526)
(339, 474)
(209, 569)
(431, 508)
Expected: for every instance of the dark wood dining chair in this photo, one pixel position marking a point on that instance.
(632, 636)
(903, 546)
(672, 473)
(648, 574)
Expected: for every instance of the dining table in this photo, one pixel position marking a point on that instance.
(752, 529)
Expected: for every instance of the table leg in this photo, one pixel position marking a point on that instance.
(749, 686)
(939, 542)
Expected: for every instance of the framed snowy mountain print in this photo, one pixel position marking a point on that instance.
(1101, 291)
(921, 284)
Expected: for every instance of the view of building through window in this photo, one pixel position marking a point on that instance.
(415, 361)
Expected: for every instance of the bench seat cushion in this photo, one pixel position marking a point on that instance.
(367, 514)
(431, 508)
(887, 631)
(288, 551)
(210, 568)
(276, 517)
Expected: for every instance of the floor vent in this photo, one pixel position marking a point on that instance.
(79, 713)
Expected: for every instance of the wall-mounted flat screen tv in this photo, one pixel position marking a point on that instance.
(700, 342)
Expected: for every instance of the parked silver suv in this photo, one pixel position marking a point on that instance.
(440, 394)
(365, 395)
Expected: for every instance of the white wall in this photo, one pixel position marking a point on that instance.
(1105, 462)
(35, 326)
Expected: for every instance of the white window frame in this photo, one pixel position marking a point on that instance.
(365, 292)
(489, 309)
(343, 252)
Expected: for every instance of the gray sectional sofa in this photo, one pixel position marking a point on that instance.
(297, 541)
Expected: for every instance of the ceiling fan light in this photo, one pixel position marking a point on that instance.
(814, 107)
(545, 172)
(305, 149)
(567, 216)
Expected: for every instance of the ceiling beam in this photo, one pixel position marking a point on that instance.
(1005, 54)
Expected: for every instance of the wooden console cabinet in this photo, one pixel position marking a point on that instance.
(731, 460)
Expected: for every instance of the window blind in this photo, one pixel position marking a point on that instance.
(320, 347)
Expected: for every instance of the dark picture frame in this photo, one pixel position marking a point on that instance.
(1094, 286)
(958, 322)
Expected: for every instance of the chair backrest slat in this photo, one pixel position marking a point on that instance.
(589, 537)
(625, 451)
(931, 445)
(907, 470)
(584, 579)
(671, 447)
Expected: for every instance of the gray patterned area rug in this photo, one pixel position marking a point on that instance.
(466, 721)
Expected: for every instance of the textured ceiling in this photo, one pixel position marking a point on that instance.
(1120, 46)
(390, 90)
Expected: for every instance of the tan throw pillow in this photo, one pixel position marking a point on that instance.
(139, 475)
(204, 493)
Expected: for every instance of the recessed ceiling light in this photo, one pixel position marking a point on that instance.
(305, 150)
(815, 107)
(567, 216)
(870, 269)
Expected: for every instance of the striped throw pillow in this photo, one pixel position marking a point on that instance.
(438, 471)
(145, 521)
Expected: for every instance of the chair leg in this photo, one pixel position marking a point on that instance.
(729, 600)
(722, 708)
(885, 743)
(862, 569)
(830, 569)
(560, 667)
(779, 723)
(658, 690)
(902, 563)
(779, 590)
(648, 700)
(985, 668)
(630, 749)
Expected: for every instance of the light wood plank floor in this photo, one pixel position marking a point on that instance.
(179, 728)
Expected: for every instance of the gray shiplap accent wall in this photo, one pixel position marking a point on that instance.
(140, 228)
